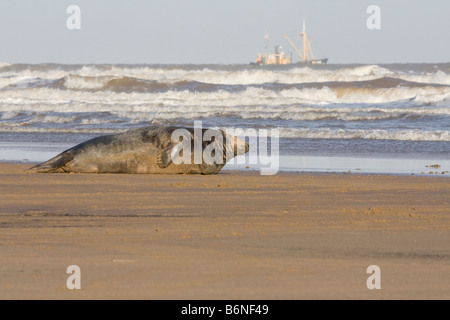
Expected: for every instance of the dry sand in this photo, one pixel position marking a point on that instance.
(235, 235)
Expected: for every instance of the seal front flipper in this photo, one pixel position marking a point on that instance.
(55, 164)
(168, 154)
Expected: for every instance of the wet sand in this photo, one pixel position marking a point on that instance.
(236, 235)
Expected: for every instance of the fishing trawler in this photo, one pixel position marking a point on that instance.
(281, 58)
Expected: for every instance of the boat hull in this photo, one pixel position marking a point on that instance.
(301, 63)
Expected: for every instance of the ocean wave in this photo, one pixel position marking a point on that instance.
(127, 78)
(45, 118)
(260, 76)
(398, 103)
(113, 83)
(438, 77)
(85, 82)
(399, 135)
(44, 99)
(328, 134)
(281, 113)
(12, 81)
(4, 64)
(6, 115)
(28, 129)
(127, 84)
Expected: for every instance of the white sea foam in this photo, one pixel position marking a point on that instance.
(402, 135)
(157, 114)
(17, 81)
(245, 77)
(6, 115)
(91, 82)
(96, 77)
(260, 76)
(43, 118)
(44, 99)
(436, 78)
(373, 134)
(88, 99)
(27, 129)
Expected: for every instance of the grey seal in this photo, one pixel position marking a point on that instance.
(147, 150)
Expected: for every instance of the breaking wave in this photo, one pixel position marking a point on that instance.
(374, 134)
(371, 102)
(136, 77)
(327, 134)
(48, 98)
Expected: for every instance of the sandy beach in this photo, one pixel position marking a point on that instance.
(235, 235)
(324, 128)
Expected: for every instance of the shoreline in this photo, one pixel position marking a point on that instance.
(333, 165)
(235, 235)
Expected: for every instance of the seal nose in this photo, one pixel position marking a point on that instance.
(240, 147)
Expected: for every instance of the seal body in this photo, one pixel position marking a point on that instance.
(148, 150)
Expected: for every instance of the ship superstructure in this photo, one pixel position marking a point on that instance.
(281, 58)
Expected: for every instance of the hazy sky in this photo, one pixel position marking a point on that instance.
(225, 31)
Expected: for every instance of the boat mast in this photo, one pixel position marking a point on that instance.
(305, 41)
(293, 46)
(308, 56)
(266, 38)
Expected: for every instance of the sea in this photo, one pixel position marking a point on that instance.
(389, 119)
